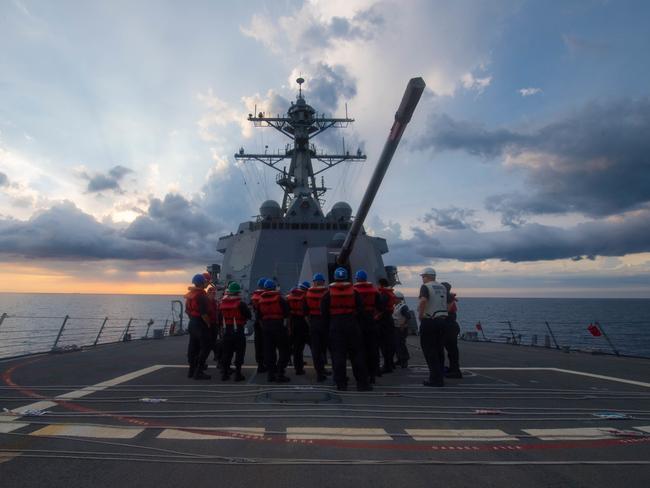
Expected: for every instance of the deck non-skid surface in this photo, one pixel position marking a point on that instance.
(128, 414)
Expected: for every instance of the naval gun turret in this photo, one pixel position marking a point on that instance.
(292, 240)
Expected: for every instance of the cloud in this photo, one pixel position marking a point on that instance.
(578, 45)
(470, 82)
(452, 218)
(593, 161)
(4, 179)
(529, 92)
(98, 182)
(530, 242)
(325, 85)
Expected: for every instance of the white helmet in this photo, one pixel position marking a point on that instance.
(399, 295)
(428, 272)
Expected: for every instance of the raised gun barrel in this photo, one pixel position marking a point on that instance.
(403, 115)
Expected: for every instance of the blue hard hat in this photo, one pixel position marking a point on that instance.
(260, 282)
(318, 277)
(198, 280)
(269, 285)
(304, 285)
(341, 274)
(361, 275)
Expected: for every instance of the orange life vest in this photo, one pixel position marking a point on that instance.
(269, 306)
(452, 307)
(192, 307)
(342, 298)
(368, 294)
(255, 297)
(212, 304)
(296, 299)
(313, 296)
(231, 312)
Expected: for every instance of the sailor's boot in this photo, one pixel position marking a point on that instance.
(238, 375)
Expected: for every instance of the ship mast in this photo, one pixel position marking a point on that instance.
(300, 124)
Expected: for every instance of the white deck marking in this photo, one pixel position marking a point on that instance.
(569, 371)
(6, 427)
(459, 434)
(93, 431)
(575, 434)
(644, 428)
(242, 433)
(335, 433)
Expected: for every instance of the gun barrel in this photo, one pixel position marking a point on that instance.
(403, 115)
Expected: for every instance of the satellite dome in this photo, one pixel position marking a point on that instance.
(341, 212)
(270, 209)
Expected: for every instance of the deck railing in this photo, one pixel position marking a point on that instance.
(22, 335)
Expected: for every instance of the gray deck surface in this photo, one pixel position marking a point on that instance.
(107, 436)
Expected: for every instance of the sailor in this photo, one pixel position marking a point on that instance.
(386, 325)
(372, 304)
(273, 312)
(213, 312)
(196, 308)
(298, 328)
(234, 315)
(452, 329)
(341, 306)
(257, 326)
(318, 327)
(432, 312)
(401, 317)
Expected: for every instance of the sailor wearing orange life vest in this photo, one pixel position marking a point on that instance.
(318, 326)
(341, 306)
(257, 326)
(386, 325)
(234, 315)
(369, 327)
(273, 310)
(196, 308)
(298, 328)
(213, 314)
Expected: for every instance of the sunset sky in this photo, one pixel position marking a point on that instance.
(525, 171)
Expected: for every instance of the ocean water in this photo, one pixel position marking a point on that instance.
(35, 320)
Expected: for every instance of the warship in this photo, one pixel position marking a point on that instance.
(125, 414)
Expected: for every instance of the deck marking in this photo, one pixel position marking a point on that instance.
(644, 428)
(19, 411)
(6, 427)
(459, 434)
(560, 370)
(337, 433)
(192, 434)
(572, 434)
(91, 431)
(89, 390)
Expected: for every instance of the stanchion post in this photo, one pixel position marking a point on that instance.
(607, 338)
(58, 336)
(557, 346)
(149, 324)
(512, 332)
(126, 330)
(101, 329)
(3, 317)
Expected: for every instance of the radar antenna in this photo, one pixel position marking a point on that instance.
(300, 124)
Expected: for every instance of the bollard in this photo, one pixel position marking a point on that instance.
(101, 329)
(547, 341)
(58, 336)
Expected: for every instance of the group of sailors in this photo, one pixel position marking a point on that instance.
(360, 322)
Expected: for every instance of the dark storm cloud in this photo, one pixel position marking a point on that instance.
(364, 25)
(174, 229)
(329, 84)
(530, 242)
(4, 179)
(110, 181)
(452, 218)
(595, 161)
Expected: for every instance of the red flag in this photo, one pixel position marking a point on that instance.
(595, 331)
(479, 327)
